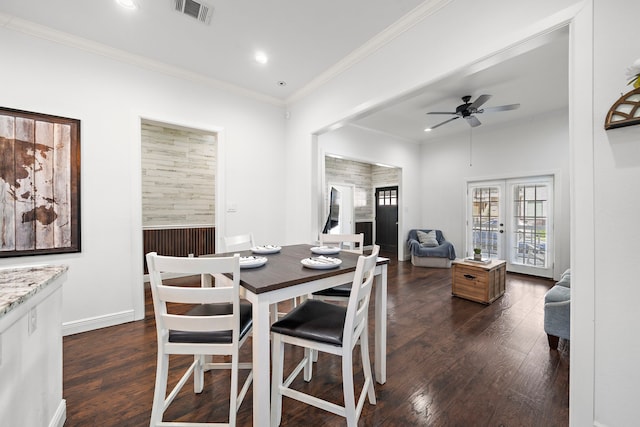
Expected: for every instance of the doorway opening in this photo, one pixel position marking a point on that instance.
(362, 179)
(179, 169)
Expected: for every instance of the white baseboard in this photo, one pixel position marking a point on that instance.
(98, 322)
(60, 416)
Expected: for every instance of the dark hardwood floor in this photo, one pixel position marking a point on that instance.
(451, 362)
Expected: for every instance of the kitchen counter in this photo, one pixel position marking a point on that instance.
(31, 346)
(19, 284)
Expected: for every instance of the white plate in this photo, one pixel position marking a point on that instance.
(266, 249)
(252, 261)
(325, 250)
(321, 262)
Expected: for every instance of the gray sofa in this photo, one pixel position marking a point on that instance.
(557, 310)
(426, 256)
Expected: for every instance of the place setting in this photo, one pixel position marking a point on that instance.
(321, 262)
(266, 249)
(325, 250)
(252, 261)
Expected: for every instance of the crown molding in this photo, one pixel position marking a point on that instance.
(380, 132)
(30, 28)
(412, 18)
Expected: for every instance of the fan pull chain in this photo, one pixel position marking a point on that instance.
(470, 148)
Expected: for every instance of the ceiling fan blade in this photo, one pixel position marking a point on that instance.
(441, 112)
(501, 108)
(478, 102)
(473, 121)
(445, 122)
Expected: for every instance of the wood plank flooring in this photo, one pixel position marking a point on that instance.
(451, 362)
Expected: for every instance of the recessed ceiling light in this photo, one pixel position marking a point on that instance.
(261, 58)
(127, 4)
(427, 130)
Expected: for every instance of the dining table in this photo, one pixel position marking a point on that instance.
(284, 277)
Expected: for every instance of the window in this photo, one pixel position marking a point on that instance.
(388, 198)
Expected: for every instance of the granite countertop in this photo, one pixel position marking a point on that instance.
(19, 284)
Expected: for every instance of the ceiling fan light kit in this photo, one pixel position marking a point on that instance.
(468, 110)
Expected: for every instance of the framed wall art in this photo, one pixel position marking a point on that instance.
(39, 184)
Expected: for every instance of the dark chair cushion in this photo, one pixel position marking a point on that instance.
(215, 337)
(343, 291)
(314, 320)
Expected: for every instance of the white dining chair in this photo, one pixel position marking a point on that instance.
(241, 242)
(331, 328)
(217, 324)
(353, 243)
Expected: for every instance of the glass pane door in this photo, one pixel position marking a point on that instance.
(525, 239)
(486, 219)
(531, 226)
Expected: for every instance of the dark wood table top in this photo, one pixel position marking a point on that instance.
(283, 269)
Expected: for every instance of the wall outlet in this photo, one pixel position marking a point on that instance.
(190, 255)
(33, 320)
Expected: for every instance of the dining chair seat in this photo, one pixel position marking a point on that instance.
(314, 320)
(217, 337)
(340, 291)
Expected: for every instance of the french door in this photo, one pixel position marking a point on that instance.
(513, 220)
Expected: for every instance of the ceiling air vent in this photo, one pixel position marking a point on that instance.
(198, 10)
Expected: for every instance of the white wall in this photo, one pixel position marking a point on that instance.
(104, 285)
(616, 156)
(536, 146)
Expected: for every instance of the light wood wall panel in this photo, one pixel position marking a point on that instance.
(382, 176)
(365, 177)
(178, 176)
(342, 171)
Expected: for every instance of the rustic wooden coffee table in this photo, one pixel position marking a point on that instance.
(478, 282)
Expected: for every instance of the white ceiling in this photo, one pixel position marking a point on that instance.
(304, 41)
(534, 75)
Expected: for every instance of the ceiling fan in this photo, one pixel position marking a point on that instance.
(468, 109)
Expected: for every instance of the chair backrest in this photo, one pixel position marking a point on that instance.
(241, 242)
(162, 294)
(358, 305)
(346, 242)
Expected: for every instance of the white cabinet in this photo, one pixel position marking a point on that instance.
(31, 346)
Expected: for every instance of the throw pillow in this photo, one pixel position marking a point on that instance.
(428, 239)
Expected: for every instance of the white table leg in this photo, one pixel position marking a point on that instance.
(261, 364)
(381, 326)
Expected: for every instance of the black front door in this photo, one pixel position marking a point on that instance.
(387, 218)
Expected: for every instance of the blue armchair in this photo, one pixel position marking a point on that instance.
(557, 310)
(430, 256)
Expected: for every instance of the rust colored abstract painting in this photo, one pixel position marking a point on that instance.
(39, 184)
